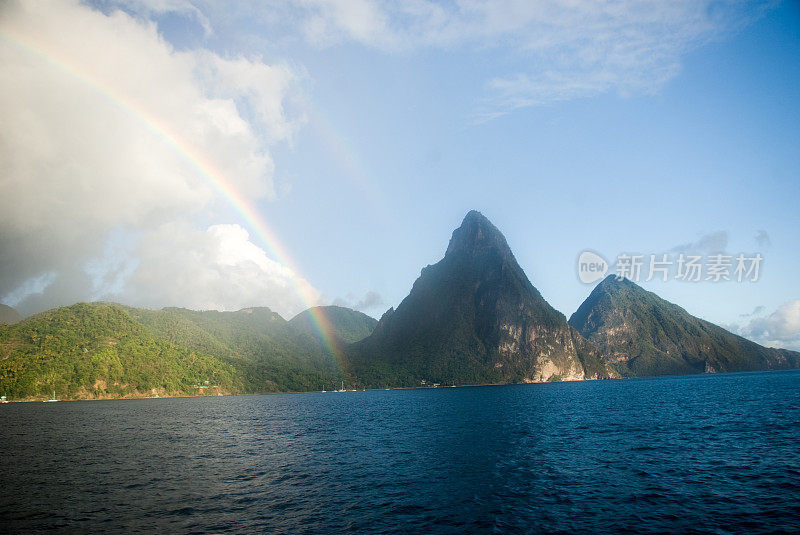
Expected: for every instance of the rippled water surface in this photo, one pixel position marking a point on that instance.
(714, 453)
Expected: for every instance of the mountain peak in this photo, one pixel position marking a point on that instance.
(474, 215)
(474, 317)
(477, 233)
(612, 283)
(643, 334)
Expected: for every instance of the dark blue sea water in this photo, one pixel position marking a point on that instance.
(712, 453)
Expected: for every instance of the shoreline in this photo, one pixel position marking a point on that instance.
(293, 392)
(290, 392)
(420, 387)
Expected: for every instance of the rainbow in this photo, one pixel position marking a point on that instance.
(202, 166)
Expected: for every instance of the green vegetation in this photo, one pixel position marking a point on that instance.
(348, 326)
(98, 350)
(641, 334)
(472, 318)
(103, 350)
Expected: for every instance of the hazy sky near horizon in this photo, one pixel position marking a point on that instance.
(223, 155)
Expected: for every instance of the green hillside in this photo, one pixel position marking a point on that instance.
(269, 352)
(106, 350)
(641, 334)
(348, 325)
(99, 350)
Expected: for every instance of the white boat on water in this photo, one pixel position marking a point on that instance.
(342, 389)
(53, 399)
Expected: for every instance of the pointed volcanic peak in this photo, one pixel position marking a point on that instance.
(641, 334)
(477, 236)
(347, 325)
(9, 316)
(474, 317)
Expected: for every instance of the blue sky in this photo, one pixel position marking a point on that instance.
(615, 129)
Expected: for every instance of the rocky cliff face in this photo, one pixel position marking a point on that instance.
(641, 334)
(474, 317)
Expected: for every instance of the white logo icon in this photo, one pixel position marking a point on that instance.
(591, 267)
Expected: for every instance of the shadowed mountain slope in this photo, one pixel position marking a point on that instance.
(474, 317)
(641, 334)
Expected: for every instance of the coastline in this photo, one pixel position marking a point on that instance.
(221, 393)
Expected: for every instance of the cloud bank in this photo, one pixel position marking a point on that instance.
(779, 329)
(108, 131)
(370, 301)
(707, 244)
(551, 50)
(232, 272)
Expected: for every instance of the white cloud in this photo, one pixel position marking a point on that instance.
(779, 329)
(104, 121)
(560, 49)
(371, 300)
(707, 244)
(107, 127)
(756, 311)
(359, 20)
(219, 269)
(32, 286)
(584, 48)
(153, 7)
(262, 89)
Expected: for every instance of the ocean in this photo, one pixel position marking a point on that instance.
(711, 453)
